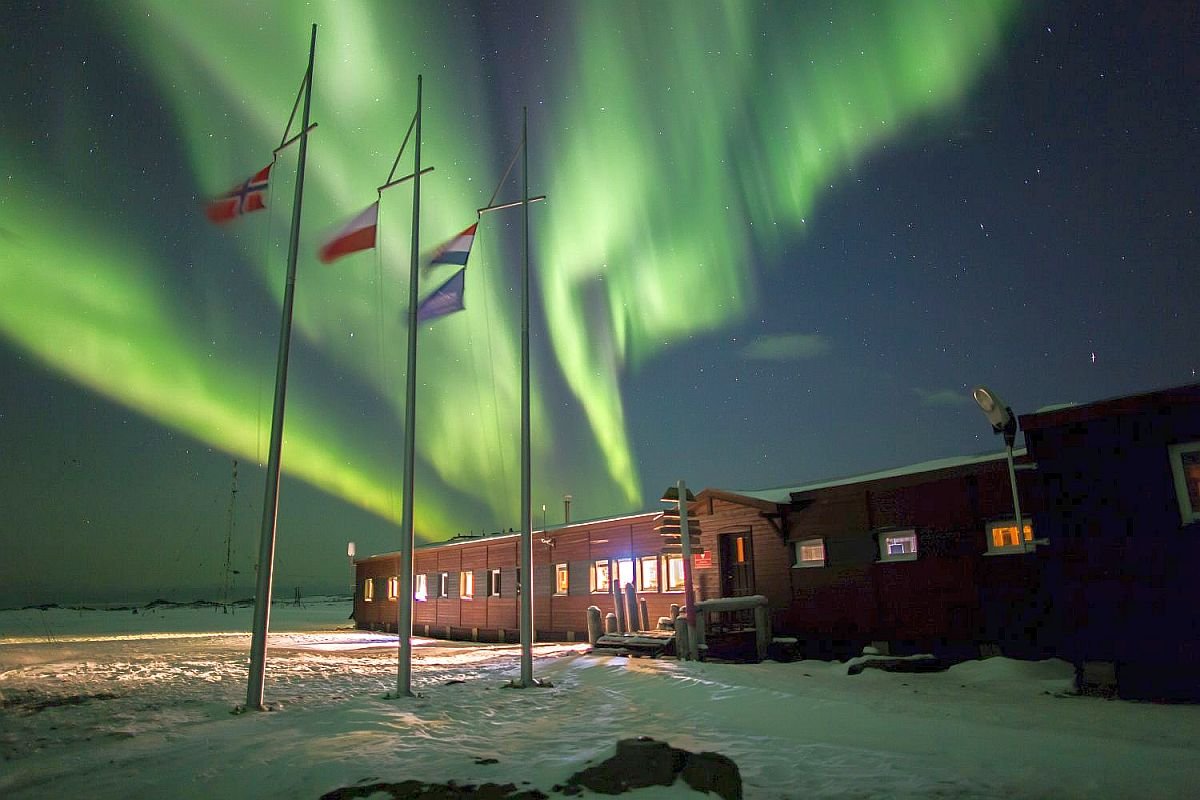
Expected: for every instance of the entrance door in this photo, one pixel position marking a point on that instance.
(737, 564)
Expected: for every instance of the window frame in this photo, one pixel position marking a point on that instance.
(1188, 513)
(494, 583)
(595, 582)
(466, 585)
(889, 558)
(665, 566)
(640, 573)
(1026, 546)
(798, 562)
(420, 587)
(393, 588)
(617, 564)
(562, 580)
(369, 590)
(443, 584)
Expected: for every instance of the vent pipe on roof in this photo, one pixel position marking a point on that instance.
(566, 509)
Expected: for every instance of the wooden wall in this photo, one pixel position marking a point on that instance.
(555, 617)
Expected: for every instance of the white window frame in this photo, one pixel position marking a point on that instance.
(1009, 549)
(798, 560)
(369, 590)
(466, 585)
(623, 568)
(494, 583)
(1187, 512)
(667, 561)
(420, 588)
(608, 571)
(904, 533)
(393, 588)
(642, 584)
(443, 584)
(562, 580)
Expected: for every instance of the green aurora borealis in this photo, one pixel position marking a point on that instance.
(678, 144)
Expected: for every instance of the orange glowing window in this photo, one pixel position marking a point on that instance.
(810, 553)
(368, 590)
(741, 550)
(561, 579)
(393, 588)
(1003, 537)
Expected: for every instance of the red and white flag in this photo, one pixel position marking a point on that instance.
(249, 195)
(357, 234)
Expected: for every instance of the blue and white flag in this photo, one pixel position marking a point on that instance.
(446, 299)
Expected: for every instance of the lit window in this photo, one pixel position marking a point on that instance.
(494, 583)
(624, 572)
(444, 584)
(420, 588)
(1185, 467)
(740, 555)
(898, 546)
(1002, 536)
(809, 553)
(647, 574)
(466, 585)
(600, 576)
(369, 590)
(674, 571)
(561, 579)
(393, 588)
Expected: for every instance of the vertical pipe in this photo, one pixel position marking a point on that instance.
(1012, 477)
(266, 548)
(526, 506)
(404, 600)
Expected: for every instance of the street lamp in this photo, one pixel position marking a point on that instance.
(1004, 421)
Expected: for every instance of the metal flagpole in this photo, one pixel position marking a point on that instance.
(405, 600)
(526, 504)
(266, 550)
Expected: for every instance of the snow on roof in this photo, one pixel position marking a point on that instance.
(783, 494)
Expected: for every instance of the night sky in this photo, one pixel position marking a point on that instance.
(782, 242)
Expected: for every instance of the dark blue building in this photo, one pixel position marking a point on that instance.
(1120, 482)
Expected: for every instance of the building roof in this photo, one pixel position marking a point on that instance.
(550, 530)
(1114, 406)
(783, 494)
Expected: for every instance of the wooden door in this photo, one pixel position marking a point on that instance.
(737, 564)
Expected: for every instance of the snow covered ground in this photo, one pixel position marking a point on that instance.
(108, 704)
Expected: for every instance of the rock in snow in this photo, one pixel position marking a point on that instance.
(646, 762)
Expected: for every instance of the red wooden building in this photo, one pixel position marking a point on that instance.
(899, 557)
(466, 588)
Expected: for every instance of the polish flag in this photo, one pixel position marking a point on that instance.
(456, 250)
(357, 234)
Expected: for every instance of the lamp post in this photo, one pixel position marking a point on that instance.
(543, 517)
(1004, 421)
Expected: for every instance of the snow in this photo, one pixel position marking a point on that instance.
(110, 704)
(784, 494)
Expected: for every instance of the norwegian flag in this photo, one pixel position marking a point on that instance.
(250, 195)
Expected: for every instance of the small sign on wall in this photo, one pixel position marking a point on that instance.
(702, 561)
